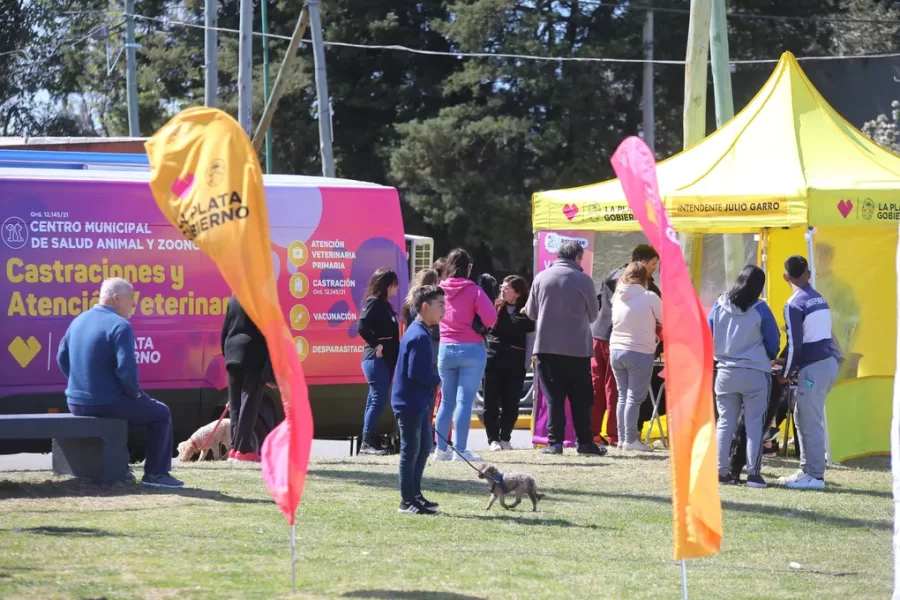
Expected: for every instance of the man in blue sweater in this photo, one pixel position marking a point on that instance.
(415, 381)
(813, 357)
(97, 357)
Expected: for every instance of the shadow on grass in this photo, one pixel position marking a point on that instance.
(770, 511)
(869, 463)
(447, 486)
(76, 488)
(71, 531)
(522, 519)
(409, 595)
(833, 488)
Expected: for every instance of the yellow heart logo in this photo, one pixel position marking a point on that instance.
(24, 352)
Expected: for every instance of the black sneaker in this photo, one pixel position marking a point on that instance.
(554, 449)
(426, 503)
(372, 450)
(727, 480)
(415, 509)
(755, 481)
(591, 450)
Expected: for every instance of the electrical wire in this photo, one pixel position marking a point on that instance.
(745, 16)
(590, 59)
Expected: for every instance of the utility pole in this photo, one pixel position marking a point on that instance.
(323, 101)
(211, 87)
(648, 97)
(265, 44)
(718, 39)
(131, 70)
(245, 67)
(694, 116)
(272, 103)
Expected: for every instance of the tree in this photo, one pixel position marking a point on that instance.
(467, 141)
(886, 130)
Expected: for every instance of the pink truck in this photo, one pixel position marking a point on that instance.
(64, 230)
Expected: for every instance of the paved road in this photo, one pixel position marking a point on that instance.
(320, 449)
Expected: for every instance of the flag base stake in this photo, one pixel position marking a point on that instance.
(683, 579)
(293, 562)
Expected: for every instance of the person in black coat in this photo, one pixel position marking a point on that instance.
(379, 327)
(247, 362)
(504, 374)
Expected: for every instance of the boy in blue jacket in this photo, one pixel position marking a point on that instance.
(415, 381)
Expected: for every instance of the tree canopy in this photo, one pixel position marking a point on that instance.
(465, 140)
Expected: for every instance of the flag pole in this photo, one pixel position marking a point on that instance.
(683, 579)
(294, 563)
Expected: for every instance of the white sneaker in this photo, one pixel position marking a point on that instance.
(467, 455)
(506, 446)
(495, 447)
(443, 455)
(636, 447)
(802, 481)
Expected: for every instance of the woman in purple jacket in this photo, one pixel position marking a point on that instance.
(462, 354)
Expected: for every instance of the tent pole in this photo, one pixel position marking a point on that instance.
(811, 258)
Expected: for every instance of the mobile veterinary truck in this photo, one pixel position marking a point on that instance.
(64, 230)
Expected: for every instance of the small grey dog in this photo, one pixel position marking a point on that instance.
(502, 484)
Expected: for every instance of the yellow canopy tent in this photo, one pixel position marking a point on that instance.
(791, 171)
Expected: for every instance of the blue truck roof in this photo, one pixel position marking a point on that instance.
(48, 159)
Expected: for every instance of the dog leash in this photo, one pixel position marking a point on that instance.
(466, 460)
(211, 433)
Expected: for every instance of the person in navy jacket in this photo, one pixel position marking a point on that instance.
(415, 381)
(813, 357)
(97, 357)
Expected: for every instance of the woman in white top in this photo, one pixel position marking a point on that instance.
(636, 313)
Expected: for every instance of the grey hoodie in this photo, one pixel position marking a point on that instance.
(747, 339)
(563, 302)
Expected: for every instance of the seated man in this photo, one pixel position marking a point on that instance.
(97, 356)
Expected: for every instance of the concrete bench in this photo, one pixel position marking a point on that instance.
(87, 447)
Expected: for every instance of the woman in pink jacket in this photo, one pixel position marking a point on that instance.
(462, 354)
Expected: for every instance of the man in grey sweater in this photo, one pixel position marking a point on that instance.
(564, 304)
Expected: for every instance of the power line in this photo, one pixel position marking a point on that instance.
(744, 16)
(70, 42)
(452, 54)
(591, 59)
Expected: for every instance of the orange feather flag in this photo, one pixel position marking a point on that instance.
(697, 510)
(207, 181)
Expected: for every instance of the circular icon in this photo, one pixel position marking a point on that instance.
(299, 285)
(297, 254)
(299, 317)
(868, 209)
(302, 347)
(215, 173)
(14, 232)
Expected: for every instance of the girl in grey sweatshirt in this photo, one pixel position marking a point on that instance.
(745, 341)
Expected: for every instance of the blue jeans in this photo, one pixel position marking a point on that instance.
(461, 367)
(633, 372)
(415, 446)
(378, 376)
(141, 413)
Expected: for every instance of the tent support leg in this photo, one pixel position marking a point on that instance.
(810, 250)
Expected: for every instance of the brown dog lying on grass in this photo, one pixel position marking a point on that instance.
(522, 485)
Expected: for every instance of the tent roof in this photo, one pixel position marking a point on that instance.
(787, 159)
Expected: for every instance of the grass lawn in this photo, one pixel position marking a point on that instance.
(605, 531)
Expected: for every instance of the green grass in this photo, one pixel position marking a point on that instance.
(605, 531)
